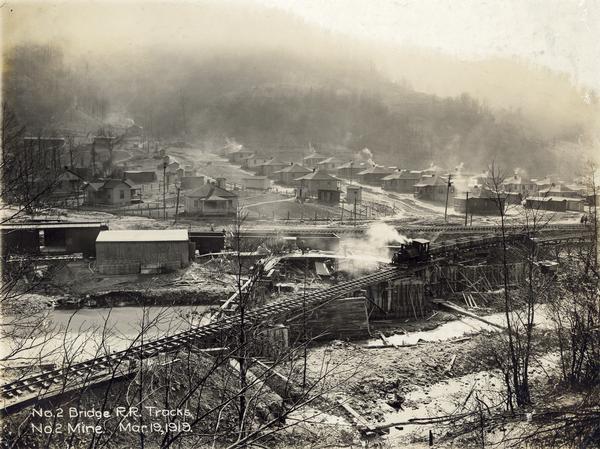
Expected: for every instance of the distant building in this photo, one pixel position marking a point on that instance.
(561, 190)
(110, 192)
(63, 237)
(350, 170)
(310, 184)
(288, 175)
(68, 183)
(140, 177)
(402, 181)
(555, 204)
(192, 182)
(236, 156)
(518, 184)
(329, 165)
(433, 188)
(312, 160)
(211, 200)
(479, 202)
(374, 175)
(353, 194)
(270, 167)
(142, 251)
(134, 131)
(253, 161)
(256, 183)
(328, 196)
(542, 184)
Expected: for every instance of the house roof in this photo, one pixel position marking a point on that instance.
(257, 156)
(552, 198)
(431, 181)
(112, 183)
(353, 164)
(209, 190)
(318, 176)
(403, 174)
(557, 188)
(145, 235)
(275, 162)
(315, 156)
(140, 177)
(330, 160)
(68, 175)
(262, 178)
(376, 170)
(294, 168)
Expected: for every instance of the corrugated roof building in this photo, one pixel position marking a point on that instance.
(142, 251)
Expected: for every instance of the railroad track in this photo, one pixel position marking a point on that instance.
(39, 385)
(408, 228)
(57, 380)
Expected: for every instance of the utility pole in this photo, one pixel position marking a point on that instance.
(447, 193)
(178, 185)
(466, 208)
(71, 152)
(165, 159)
(93, 157)
(355, 211)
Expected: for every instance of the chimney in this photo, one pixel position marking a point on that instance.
(221, 182)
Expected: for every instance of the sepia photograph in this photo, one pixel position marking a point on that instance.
(320, 224)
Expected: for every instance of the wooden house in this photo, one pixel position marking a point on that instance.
(402, 181)
(288, 175)
(374, 175)
(433, 188)
(311, 183)
(211, 199)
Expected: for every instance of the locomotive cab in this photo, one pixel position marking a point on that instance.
(417, 250)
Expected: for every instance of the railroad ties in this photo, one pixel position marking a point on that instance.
(22, 392)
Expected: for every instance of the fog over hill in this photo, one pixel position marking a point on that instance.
(208, 71)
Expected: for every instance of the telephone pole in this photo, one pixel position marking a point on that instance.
(466, 208)
(447, 193)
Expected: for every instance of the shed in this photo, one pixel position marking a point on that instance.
(142, 251)
(353, 194)
(256, 182)
(556, 204)
(328, 196)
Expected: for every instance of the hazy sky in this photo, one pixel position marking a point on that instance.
(560, 34)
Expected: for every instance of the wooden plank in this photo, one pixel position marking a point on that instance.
(462, 311)
(450, 365)
(359, 419)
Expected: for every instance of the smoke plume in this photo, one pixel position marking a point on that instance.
(365, 254)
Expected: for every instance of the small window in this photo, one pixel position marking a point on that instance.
(196, 203)
(122, 194)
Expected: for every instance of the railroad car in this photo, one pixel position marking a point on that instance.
(415, 251)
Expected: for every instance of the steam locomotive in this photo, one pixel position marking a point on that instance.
(415, 251)
(418, 250)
